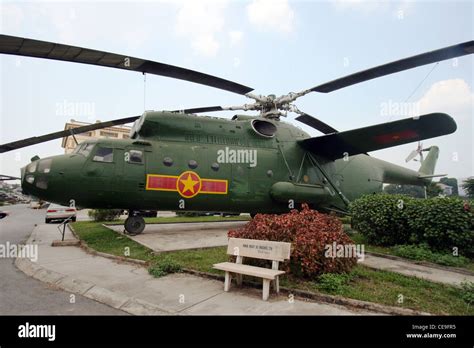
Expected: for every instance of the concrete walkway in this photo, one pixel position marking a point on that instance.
(130, 288)
(180, 236)
(437, 275)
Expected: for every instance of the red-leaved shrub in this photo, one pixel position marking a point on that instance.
(309, 233)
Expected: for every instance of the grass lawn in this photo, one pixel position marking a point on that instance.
(107, 241)
(362, 284)
(176, 219)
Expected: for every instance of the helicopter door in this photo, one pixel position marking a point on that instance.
(133, 176)
(99, 171)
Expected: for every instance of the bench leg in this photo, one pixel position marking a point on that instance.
(276, 284)
(238, 277)
(266, 289)
(228, 279)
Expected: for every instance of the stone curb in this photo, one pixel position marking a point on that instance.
(423, 263)
(90, 290)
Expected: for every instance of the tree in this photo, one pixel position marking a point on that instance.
(453, 182)
(433, 190)
(468, 186)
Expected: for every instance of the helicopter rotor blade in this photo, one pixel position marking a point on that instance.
(411, 156)
(8, 177)
(397, 66)
(245, 107)
(61, 134)
(315, 123)
(199, 110)
(19, 46)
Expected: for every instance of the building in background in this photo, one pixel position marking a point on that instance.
(445, 189)
(116, 132)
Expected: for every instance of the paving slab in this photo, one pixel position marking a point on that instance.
(180, 236)
(231, 303)
(411, 269)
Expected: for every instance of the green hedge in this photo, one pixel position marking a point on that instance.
(104, 214)
(441, 222)
(381, 218)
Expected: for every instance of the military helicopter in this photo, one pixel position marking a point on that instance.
(176, 160)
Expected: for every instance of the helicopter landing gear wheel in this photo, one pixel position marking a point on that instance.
(134, 225)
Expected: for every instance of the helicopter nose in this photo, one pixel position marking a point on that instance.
(35, 177)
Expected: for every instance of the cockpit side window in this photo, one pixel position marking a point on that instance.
(86, 149)
(134, 156)
(104, 154)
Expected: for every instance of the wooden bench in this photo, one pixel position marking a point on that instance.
(257, 249)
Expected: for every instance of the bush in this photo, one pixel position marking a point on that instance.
(333, 282)
(440, 222)
(422, 252)
(104, 214)
(443, 223)
(467, 292)
(381, 218)
(163, 267)
(309, 233)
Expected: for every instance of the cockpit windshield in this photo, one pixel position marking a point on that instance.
(83, 149)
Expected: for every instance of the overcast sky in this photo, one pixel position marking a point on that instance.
(273, 46)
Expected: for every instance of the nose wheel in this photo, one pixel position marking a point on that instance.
(134, 225)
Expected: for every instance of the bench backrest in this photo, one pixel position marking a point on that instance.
(259, 249)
